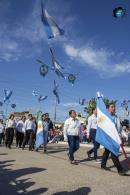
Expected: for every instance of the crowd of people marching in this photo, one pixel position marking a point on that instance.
(25, 130)
(73, 132)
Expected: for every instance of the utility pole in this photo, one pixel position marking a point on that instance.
(55, 112)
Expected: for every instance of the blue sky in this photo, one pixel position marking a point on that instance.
(95, 48)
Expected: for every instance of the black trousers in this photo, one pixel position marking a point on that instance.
(1, 135)
(115, 160)
(9, 137)
(19, 138)
(28, 138)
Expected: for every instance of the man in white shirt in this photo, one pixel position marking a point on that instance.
(72, 130)
(92, 126)
(29, 132)
(20, 130)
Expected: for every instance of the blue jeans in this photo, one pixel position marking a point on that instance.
(45, 136)
(96, 144)
(73, 142)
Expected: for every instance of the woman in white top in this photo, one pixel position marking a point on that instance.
(10, 129)
(1, 130)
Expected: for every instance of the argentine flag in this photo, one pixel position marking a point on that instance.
(39, 136)
(51, 27)
(8, 94)
(82, 101)
(107, 134)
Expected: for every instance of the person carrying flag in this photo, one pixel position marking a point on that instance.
(108, 134)
(47, 126)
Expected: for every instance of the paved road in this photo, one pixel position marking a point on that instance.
(28, 172)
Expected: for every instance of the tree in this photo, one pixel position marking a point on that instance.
(91, 103)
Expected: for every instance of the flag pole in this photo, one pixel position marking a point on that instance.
(55, 112)
(6, 108)
(124, 152)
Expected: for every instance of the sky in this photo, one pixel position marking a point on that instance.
(95, 47)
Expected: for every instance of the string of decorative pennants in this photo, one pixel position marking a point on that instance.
(53, 30)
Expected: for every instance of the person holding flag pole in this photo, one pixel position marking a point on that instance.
(108, 134)
(39, 135)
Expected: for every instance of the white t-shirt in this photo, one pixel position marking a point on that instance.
(20, 127)
(10, 123)
(92, 123)
(29, 125)
(72, 127)
(1, 128)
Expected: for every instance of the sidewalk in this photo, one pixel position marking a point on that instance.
(36, 173)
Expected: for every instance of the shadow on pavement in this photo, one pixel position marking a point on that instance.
(4, 154)
(11, 184)
(80, 191)
(125, 164)
(54, 149)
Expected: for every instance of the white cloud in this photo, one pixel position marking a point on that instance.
(71, 51)
(32, 28)
(9, 49)
(100, 60)
(70, 104)
(26, 35)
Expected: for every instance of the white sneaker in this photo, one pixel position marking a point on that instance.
(97, 161)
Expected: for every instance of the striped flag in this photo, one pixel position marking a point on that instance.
(52, 29)
(8, 94)
(57, 67)
(82, 101)
(39, 136)
(55, 92)
(106, 134)
(42, 98)
(35, 93)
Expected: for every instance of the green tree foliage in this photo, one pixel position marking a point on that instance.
(91, 103)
